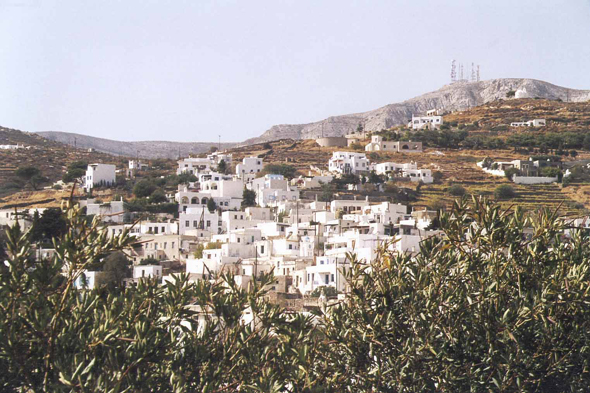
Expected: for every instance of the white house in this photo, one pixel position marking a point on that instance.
(198, 218)
(536, 123)
(159, 228)
(143, 271)
(423, 175)
(108, 211)
(137, 165)
(530, 123)
(11, 147)
(193, 165)
(249, 165)
(378, 144)
(346, 162)
(430, 121)
(88, 279)
(217, 157)
(385, 167)
(100, 174)
(326, 273)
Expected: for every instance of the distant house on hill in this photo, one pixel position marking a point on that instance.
(99, 175)
(379, 144)
(431, 121)
(530, 123)
(11, 147)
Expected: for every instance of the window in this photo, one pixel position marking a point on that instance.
(238, 239)
(173, 245)
(187, 223)
(208, 223)
(195, 223)
(290, 246)
(332, 278)
(165, 245)
(262, 249)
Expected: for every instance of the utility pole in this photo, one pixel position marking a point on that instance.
(255, 261)
(219, 144)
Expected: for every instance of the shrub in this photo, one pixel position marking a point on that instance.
(504, 191)
(149, 261)
(211, 205)
(437, 176)
(437, 205)
(510, 172)
(550, 171)
(287, 171)
(158, 196)
(328, 291)
(144, 188)
(456, 190)
(248, 198)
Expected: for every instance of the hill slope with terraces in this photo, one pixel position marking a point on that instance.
(50, 157)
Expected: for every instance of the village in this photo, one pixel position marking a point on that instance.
(244, 219)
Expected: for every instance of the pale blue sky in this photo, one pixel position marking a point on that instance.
(190, 70)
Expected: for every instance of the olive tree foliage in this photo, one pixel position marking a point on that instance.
(482, 308)
(179, 337)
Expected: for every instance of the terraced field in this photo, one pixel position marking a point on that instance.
(529, 197)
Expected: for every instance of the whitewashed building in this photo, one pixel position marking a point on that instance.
(111, 212)
(346, 162)
(193, 165)
(431, 121)
(100, 175)
(249, 166)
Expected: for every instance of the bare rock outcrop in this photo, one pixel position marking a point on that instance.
(454, 97)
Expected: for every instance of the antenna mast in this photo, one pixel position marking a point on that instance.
(453, 71)
(478, 73)
(472, 72)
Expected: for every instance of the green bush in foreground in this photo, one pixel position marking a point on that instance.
(481, 308)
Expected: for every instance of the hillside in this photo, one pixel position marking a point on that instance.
(49, 156)
(143, 149)
(561, 116)
(449, 98)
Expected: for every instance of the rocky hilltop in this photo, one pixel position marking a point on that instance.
(143, 149)
(454, 97)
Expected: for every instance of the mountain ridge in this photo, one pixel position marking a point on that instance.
(142, 149)
(449, 98)
(452, 97)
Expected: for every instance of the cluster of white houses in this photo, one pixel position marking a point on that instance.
(304, 242)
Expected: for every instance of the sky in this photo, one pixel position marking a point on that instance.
(193, 70)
